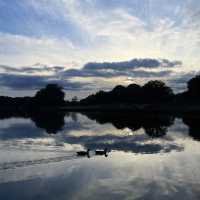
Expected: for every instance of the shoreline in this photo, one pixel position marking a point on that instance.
(143, 108)
(138, 108)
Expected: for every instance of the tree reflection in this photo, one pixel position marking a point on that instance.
(52, 122)
(193, 124)
(157, 126)
(154, 125)
(118, 120)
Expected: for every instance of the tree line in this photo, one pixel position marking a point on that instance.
(153, 92)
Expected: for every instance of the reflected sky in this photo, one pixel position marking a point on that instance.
(37, 165)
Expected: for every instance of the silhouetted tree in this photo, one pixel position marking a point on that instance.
(133, 93)
(100, 97)
(51, 95)
(117, 94)
(75, 99)
(156, 91)
(151, 92)
(194, 87)
(118, 90)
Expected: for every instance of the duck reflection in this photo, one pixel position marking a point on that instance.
(89, 152)
(102, 152)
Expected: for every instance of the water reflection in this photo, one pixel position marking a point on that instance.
(149, 156)
(144, 130)
(52, 122)
(194, 126)
(154, 125)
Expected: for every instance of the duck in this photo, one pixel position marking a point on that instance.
(102, 152)
(83, 153)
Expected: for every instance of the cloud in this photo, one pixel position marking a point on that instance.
(133, 144)
(35, 69)
(111, 74)
(37, 76)
(116, 31)
(87, 30)
(132, 64)
(179, 81)
(19, 131)
(132, 68)
(26, 50)
(35, 82)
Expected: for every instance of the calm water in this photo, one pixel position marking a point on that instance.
(155, 157)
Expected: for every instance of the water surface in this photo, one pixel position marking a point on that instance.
(150, 157)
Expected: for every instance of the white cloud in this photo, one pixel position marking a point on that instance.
(112, 34)
(23, 50)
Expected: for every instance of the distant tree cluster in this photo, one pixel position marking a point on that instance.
(152, 92)
(194, 87)
(51, 95)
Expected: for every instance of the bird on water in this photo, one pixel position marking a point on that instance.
(84, 153)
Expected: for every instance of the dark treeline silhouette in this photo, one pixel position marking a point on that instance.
(153, 92)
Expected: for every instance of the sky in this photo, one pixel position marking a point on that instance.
(88, 45)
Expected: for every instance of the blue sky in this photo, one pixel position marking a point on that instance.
(71, 33)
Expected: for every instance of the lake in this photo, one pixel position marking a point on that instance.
(148, 157)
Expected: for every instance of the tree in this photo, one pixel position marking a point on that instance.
(133, 87)
(118, 93)
(133, 93)
(74, 99)
(156, 91)
(51, 95)
(194, 86)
